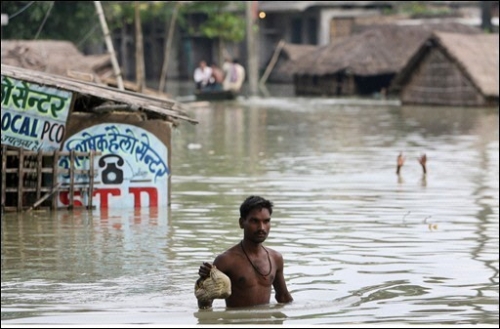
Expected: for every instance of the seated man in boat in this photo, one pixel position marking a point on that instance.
(234, 77)
(202, 75)
(217, 79)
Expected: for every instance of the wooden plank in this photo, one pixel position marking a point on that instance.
(20, 175)
(55, 167)
(39, 175)
(147, 103)
(28, 189)
(45, 197)
(4, 173)
(71, 179)
(91, 181)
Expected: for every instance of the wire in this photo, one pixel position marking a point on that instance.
(21, 10)
(87, 35)
(44, 20)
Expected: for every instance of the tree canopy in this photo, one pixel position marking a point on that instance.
(77, 21)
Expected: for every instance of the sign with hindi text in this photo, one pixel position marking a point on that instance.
(131, 171)
(33, 116)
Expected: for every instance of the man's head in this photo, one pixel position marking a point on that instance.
(255, 202)
(203, 64)
(255, 218)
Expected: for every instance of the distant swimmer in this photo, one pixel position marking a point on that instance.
(401, 160)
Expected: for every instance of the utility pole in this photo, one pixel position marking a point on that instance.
(139, 50)
(167, 50)
(252, 51)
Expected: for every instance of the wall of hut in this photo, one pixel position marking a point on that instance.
(439, 80)
(134, 168)
(326, 85)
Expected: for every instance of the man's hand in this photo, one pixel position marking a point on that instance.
(400, 162)
(423, 160)
(204, 270)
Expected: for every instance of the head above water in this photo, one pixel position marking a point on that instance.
(255, 202)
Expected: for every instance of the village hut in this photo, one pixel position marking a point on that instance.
(64, 58)
(51, 56)
(290, 52)
(70, 143)
(364, 63)
(452, 69)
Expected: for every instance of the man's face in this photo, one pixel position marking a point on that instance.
(256, 225)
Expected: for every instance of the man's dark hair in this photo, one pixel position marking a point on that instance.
(255, 202)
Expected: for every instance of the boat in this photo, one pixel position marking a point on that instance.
(215, 95)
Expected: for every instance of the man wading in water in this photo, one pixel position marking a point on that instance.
(252, 268)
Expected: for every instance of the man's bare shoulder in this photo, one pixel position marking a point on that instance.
(276, 255)
(227, 257)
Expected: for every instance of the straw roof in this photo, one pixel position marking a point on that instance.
(477, 55)
(294, 51)
(51, 56)
(382, 49)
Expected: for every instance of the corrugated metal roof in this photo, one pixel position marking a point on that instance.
(169, 109)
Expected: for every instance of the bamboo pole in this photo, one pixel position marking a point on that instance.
(168, 45)
(45, 197)
(273, 61)
(139, 50)
(109, 44)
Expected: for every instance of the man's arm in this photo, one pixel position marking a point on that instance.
(282, 294)
(204, 272)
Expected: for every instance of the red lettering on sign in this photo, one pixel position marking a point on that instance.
(104, 192)
(151, 191)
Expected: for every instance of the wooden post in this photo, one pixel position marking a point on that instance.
(20, 185)
(55, 169)
(109, 44)
(71, 179)
(45, 197)
(4, 173)
(39, 173)
(273, 61)
(139, 50)
(91, 180)
(252, 51)
(167, 50)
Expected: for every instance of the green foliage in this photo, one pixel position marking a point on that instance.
(77, 21)
(67, 20)
(422, 9)
(223, 19)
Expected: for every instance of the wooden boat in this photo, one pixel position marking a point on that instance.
(215, 95)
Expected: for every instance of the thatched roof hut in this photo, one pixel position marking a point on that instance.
(362, 63)
(63, 58)
(452, 69)
(289, 53)
(378, 50)
(51, 56)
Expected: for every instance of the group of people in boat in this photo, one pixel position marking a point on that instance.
(214, 78)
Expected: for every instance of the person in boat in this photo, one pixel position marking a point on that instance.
(252, 268)
(234, 76)
(202, 75)
(217, 79)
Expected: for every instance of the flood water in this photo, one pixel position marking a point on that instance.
(362, 246)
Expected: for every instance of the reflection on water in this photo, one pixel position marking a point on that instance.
(361, 244)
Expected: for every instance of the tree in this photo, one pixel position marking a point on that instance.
(66, 20)
(223, 21)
